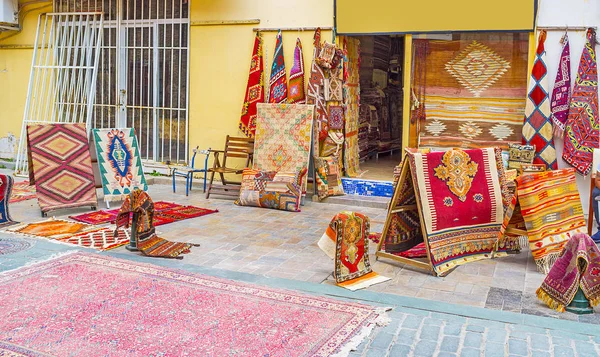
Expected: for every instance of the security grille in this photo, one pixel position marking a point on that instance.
(143, 76)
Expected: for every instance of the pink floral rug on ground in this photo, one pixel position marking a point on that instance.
(93, 305)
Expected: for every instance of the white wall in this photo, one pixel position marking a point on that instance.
(568, 13)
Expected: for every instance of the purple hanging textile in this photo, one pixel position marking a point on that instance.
(561, 93)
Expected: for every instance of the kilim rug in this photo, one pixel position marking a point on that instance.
(22, 191)
(255, 92)
(296, 86)
(278, 90)
(59, 155)
(67, 307)
(351, 88)
(559, 106)
(552, 211)
(120, 162)
(6, 185)
(537, 125)
(315, 94)
(345, 240)
(283, 137)
(581, 133)
(328, 176)
(51, 228)
(103, 239)
(141, 206)
(473, 93)
(97, 217)
(577, 267)
(458, 181)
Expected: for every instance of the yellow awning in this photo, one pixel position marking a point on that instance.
(417, 16)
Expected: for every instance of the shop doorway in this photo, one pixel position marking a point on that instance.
(381, 104)
(143, 72)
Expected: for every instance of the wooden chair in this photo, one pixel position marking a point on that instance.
(235, 147)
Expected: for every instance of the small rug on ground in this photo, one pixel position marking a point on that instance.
(51, 228)
(22, 191)
(89, 290)
(103, 239)
(578, 266)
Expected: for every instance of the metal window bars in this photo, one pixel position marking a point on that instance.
(62, 81)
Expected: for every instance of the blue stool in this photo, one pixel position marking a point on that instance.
(189, 171)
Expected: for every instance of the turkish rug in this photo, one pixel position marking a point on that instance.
(473, 92)
(577, 267)
(6, 185)
(520, 154)
(509, 241)
(89, 290)
(351, 93)
(120, 162)
(103, 239)
(559, 105)
(184, 212)
(537, 125)
(283, 138)
(22, 191)
(581, 133)
(270, 189)
(61, 166)
(464, 181)
(255, 92)
(97, 217)
(552, 211)
(278, 90)
(315, 94)
(51, 228)
(141, 206)
(13, 245)
(296, 93)
(345, 241)
(328, 176)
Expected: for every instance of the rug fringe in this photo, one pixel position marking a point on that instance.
(545, 264)
(553, 304)
(382, 320)
(41, 261)
(523, 242)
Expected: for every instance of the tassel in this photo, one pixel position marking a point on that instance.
(548, 300)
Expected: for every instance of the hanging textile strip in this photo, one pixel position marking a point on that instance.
(62, 166)
(559, 105)
(255, 92)
(296, 91)
(537, 126)
(316, 95)
(6, 185)
(577, 267)
(345, 240)
(278, 90)
(581, 133)
(552, 212)
(351, 92)
(120, 162)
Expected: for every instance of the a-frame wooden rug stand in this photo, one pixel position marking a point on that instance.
(450, 201)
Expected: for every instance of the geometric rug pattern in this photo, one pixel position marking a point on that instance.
(22, 191)
(94, 305)
(59, 156)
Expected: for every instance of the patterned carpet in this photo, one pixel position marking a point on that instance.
(92, 305)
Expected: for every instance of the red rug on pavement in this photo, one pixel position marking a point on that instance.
(95, 305)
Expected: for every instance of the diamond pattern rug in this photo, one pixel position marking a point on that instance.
(67, 307)
(59, 156)
(22, 191)
(103, 239)
(51, 229)
(537, 126)
(120, 162)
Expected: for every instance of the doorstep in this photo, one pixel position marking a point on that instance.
(356, 200)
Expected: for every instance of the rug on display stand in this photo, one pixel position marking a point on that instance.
(562, 90)
(61, 166)
(582, 128)
(22, 191)
(278, 89)
(103, 239)
(577, 267)
(351, 94)
(296, 93)
(92, 289)
(6, 185)
(464, 181)
(120, 162)
(255, 89)
(51, 228)
(552, 211)
(283, 138)
(345, 241)
(140, 204)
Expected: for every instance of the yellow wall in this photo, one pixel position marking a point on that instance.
(15, 65)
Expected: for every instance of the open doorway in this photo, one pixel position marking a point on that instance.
(381, 100)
